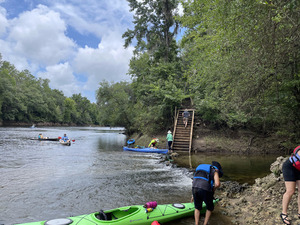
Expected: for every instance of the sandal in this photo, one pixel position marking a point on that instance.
(284, 218)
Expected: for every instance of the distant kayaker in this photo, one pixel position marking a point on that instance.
(40, 136)
(185, 116)
(169, 139)
(65, 138)
(205, 181)
(153, 143)
(291, 175)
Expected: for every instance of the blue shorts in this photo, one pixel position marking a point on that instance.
(201, 196)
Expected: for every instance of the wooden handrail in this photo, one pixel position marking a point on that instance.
(191, 133)
(174, 133)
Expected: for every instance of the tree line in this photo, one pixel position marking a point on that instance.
(25, 98)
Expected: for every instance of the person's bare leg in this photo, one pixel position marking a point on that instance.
(290, 187)
(298, 185)
(207, 216)
(197, 216)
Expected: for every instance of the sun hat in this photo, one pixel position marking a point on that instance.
(218, 165)
(169, 132)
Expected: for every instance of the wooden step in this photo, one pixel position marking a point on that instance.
(180, 149)
(181, 144)
(180, 141)
(182, 135)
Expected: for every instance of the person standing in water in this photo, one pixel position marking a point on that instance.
(205, 181)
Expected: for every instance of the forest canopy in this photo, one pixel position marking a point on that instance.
(25, 98)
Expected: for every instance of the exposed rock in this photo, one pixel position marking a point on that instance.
(259, 203)
(276, 167)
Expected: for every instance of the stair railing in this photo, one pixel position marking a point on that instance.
(175, 126)
(191, 132)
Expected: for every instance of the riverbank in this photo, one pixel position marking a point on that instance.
(227, 141)
(259, 203)
(43, 124)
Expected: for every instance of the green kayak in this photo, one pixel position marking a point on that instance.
(135, 215)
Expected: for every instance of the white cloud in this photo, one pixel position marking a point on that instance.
(108, 62)
(94, 16)
(39, 36)
(62, 78)
(180, 9)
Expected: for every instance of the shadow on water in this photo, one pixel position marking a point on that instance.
(240, 168)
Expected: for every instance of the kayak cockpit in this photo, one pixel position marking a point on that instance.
(116, 214)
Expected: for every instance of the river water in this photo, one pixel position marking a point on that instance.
(46, 180)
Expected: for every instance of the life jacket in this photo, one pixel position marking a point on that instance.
(150, 205)
(203, 172)
(295, 158)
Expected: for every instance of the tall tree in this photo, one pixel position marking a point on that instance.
(156, 67)
(155, 28)
(115, 102)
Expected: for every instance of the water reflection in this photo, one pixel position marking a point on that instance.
(241, 168)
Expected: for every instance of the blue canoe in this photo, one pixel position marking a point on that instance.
(148, 150)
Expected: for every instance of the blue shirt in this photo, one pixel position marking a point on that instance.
(65, 138)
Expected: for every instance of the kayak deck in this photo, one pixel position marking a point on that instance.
(148, 150)
(45, 139)
(67, 143)
(133, 215)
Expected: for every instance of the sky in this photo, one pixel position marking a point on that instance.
(75, 44)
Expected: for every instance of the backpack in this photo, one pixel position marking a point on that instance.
(295, 158)
(203, 172)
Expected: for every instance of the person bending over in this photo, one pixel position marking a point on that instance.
(205, 181)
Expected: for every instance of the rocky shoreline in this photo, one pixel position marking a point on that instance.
(259, 203)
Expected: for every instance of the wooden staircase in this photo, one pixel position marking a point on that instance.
(182, 137)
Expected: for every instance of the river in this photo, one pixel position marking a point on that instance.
(46, 180)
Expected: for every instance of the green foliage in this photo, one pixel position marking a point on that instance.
(115, 104)
(24, 98)
(241, 59)
(158, 88)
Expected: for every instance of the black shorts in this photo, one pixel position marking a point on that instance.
(290, 173)
(201, 196)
